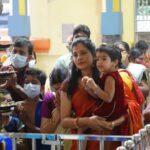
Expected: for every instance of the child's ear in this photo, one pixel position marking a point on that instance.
(116, 62)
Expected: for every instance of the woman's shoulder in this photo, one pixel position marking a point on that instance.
(49, 96)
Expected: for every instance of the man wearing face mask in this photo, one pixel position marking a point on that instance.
(19, 58)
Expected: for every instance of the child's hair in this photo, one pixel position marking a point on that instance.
(58, 75)
(82, 28)
(112, 51)
(135, 53)
(24, 42)
(39, 74)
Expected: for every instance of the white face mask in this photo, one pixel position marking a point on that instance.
(32, 90)
(18, 61)
(32, 63)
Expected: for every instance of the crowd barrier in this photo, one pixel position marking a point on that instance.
(139, 141)
(57, 140)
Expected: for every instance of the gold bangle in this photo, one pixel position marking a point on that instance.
(76, 122)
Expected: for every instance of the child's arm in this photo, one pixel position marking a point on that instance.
(32, 127)
(25, 119)
(109, 90)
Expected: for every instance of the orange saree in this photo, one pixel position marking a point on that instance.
(134, 98)
(83, 105)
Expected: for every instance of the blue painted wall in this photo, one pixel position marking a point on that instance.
(18, 25)
(111, 22)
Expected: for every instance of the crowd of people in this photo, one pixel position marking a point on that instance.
(100, 91)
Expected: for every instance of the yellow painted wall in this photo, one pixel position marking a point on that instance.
(47, 17)
(128, 21)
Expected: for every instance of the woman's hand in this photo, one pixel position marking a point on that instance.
(95, 123)
(99, 123)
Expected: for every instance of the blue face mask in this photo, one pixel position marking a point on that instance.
(18, 61)
(32, 90)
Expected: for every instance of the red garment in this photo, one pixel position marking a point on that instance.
(118, 106)
(134, 99)
(138, 93)
(83, 105)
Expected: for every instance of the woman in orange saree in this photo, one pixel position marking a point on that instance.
(134, 98)
(77, 105)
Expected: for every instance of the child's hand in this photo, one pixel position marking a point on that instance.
(84, 81)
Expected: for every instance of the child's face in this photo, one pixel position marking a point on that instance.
(23, 51)
(32, 87)
(82, 57)
(32, 79)
(104, 63)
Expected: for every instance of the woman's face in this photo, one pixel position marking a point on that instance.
(82, 57)
(140, 60)
(125, 55)
(56, 90)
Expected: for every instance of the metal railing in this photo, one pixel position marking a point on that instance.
(139, 141)
(56, 140)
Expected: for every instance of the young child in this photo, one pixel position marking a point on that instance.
(29, 110)
(111, 103)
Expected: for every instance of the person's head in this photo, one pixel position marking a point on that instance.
(108, 58)
(33, 60)
(69, 42)
(83, 53)
(21, 53)
(137, 56)
(125, 50)
(142, 45)
(81, 30)
(83, 61)
(34, 82)
(56, 77)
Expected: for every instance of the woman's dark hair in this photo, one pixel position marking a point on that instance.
(58, 75)
(135, 53)
(141, 44)
(124, 44)
(112, 51)
(75, 72)
(39, 74)
(24, 42)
